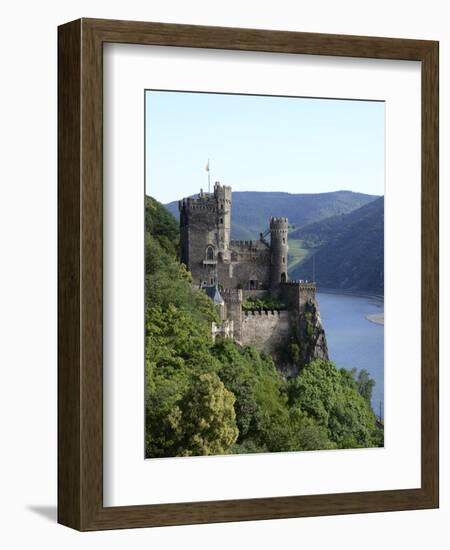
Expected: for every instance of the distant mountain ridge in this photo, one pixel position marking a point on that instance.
(343, 230)
(251, 210)
(349, 251)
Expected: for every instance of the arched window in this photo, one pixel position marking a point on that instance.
(283, 277)
(253, 283)
(210, 253)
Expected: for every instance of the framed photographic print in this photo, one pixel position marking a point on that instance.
(248, 274)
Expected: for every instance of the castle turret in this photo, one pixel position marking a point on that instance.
(222, 194)
(278, 251)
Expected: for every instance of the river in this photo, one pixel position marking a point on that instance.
(353, 341)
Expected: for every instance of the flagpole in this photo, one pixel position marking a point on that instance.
(209, 179)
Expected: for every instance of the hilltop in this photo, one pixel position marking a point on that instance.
(348, 250)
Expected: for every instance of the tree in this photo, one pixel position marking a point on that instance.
(176, 340)
(365, 385)
(237, 374)
(261, 401)
(161, 225)
(307, 434)
(207, 416)
(162, 419)
(189, 415)
(329, 396)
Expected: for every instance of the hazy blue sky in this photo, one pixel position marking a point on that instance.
(258, 143)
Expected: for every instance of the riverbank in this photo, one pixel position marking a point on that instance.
(359, 293)
(377, 318)
(354, 342)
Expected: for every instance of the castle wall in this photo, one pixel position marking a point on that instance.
(248, 261)
(240, 275)
(295, 294)
(266, 330)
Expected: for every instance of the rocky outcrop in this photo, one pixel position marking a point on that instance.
(305, 342)
(311, 333)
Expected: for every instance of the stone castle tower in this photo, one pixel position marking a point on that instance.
(213, 258)
(279, 251)
(238, 271)
(205, 227)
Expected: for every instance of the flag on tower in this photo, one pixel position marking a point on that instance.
(207, 166)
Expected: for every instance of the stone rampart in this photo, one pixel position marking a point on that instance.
(265, 330)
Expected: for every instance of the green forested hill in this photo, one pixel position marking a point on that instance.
(251, 211)
(204, 397)
(161, 226)
(348, 250)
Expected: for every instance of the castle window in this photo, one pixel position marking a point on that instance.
(284, 240)
(284, 260)
(221, 220)
(210, 253)
(283, 277)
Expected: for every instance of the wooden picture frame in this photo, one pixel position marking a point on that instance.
(80, 271)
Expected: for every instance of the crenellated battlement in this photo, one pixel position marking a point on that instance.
(217, 201)
(263, 312)
(248, 246)
(305, 285)
(244, 244)
(281, 223)
(198, 204)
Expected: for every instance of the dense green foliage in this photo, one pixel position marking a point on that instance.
(213, 398)
(265, 303)
(252, 210)
(160, 224)
(348, 250)
(330, 397)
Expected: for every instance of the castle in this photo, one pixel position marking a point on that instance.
(234, 273)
